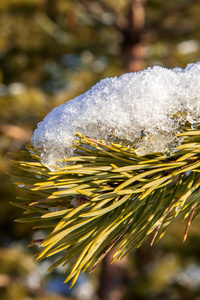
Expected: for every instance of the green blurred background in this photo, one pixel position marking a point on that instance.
(50, 52)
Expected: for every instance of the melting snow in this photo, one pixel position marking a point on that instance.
(145, 109)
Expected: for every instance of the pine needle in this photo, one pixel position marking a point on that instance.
(107, 197)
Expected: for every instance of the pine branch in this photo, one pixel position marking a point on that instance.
(107, 196)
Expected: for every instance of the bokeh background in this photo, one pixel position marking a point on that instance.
(50, 52)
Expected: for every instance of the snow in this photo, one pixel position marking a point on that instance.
(145, 109)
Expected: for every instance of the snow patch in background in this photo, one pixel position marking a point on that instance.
(145, 109)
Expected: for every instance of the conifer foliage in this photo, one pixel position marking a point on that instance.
(107, 196)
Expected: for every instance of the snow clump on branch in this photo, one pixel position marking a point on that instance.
(144, 109)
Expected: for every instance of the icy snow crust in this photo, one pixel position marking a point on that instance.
(144, 109)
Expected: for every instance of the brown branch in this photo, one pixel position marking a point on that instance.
(98, 143)
(189, 223)
(110, 246)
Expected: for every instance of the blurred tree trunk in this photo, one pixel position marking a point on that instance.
(112, 285)
(132, 46)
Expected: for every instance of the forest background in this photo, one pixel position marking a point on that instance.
(50, 52)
